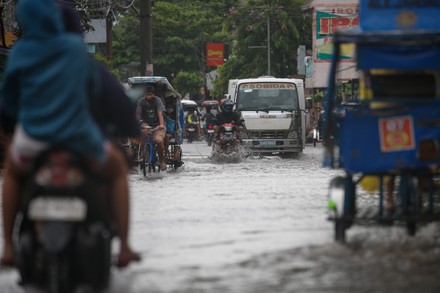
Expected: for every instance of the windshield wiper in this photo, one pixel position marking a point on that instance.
(248, 109)
(267, 109)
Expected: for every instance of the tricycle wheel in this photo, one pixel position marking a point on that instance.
(340, 227)
(177, 157)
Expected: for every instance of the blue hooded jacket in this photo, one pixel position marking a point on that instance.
(48, 81)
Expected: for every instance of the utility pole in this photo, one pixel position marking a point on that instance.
(268, 45)
(146, 36)
(109, 37)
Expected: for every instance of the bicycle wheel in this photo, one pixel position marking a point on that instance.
(146, 160)
(153, 159)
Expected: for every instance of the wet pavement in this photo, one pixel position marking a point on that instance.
(259, 226)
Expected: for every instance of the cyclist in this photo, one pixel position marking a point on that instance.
(151, 111)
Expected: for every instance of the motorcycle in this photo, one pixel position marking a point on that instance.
(228, 146)
(209, 134)
(191, 130)
(62, 233)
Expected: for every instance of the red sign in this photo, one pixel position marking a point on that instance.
(396, 133)
(215, 54)
(330, 24)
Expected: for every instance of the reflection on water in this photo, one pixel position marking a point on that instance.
(260, 226)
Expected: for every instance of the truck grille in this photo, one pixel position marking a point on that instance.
(267, 134)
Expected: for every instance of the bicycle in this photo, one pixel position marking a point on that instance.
(150, 157)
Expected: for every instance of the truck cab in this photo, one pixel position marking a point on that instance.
(273, 110)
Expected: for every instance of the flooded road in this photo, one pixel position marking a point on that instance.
(259, 226)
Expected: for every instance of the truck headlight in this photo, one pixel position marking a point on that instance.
(292, 134)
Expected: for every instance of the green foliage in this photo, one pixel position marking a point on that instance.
(318, 96)
(181, 29)
(248, 25)
(187, 82)
(126, 45)
(108, 64)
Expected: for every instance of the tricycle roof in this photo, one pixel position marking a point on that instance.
(160, 84)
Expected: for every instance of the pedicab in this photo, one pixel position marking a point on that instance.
(393, 136)
(174, 125)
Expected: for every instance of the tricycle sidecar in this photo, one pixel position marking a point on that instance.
(393, 136)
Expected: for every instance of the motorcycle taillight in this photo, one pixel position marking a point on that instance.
(210, 127)
(58, 171)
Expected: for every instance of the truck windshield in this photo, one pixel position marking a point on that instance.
(266, 96)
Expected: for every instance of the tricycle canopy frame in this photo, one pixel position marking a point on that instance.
(161, 85)
(399, 50)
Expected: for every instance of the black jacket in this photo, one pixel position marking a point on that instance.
(233, 117)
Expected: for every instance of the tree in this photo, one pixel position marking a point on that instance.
(181, 30)
(248, 26)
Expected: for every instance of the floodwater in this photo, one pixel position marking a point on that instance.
(259, 226)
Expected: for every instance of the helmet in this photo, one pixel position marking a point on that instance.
(228, 105)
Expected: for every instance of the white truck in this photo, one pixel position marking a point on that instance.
(274, 111)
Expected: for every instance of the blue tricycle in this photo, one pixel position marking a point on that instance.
(389, 146)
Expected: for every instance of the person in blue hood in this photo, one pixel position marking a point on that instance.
(47, 85)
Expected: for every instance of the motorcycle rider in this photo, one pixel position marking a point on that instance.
(51, 105)
(227, 115)
(192, 117)
(151, 111)
(113, 111)
(208, 117)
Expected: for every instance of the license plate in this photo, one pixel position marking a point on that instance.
(210, 130)
(265, 143)
(191, 129)
(57, 208)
